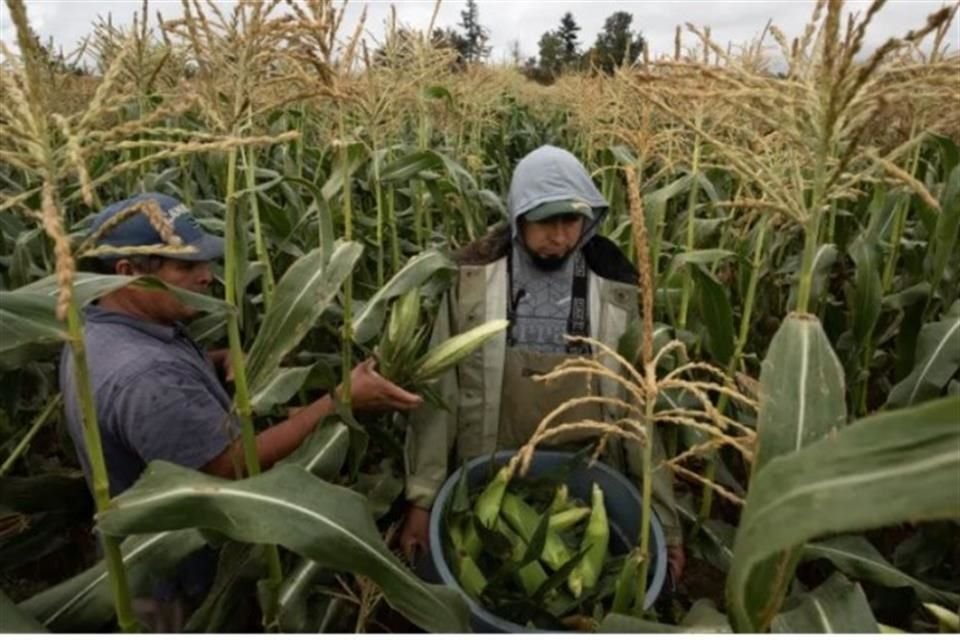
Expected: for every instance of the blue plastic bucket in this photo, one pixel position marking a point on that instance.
(623, 510)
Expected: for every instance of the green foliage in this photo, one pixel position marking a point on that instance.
(616, 44)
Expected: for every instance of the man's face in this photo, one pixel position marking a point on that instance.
(163, 306)
(552, 239)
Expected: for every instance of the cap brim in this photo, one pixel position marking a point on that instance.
(208, 248)
(205, 249)
(560, 208)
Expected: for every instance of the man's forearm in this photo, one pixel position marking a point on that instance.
(280, 440)
(274, 443)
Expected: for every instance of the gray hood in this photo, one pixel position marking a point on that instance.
(548, 174)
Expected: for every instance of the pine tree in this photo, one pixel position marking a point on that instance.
(616, 43)
(475, 34)
(568, 36)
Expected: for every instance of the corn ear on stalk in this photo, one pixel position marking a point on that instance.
(595, 540)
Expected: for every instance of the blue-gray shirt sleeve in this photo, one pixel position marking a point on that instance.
(169, 413)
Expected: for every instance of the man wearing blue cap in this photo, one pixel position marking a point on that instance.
(157, 393)
(551, 275)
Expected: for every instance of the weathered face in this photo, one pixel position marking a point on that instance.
(162, 306)
(553, 238)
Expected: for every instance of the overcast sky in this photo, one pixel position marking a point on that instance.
(67, 21)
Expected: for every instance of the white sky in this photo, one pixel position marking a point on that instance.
(67, 21)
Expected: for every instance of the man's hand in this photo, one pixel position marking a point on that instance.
(415, 536)
(369, 391)
(676, 561)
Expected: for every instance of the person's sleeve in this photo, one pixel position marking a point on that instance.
(169, 414)
(432, 429)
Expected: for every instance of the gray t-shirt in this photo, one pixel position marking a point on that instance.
(157, 396)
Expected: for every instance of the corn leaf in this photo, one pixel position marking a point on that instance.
(285, 382)
(368, 322)
(891, 467)
(84, 603)
(937, 359)
(324, 451)
(857, 558)
(323, 455)
(28, 318)
(801, 389)
(867, 288)
(301, 297)
(836, 606)
(948, 228)
(716, 313)
(14, 620)
(290, 507)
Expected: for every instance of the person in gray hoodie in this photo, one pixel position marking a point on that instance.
(550, 274)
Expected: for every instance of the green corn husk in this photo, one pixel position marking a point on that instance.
(563, 520)
(450, 352)
(524, 519)
(595, 541)
(531, 575)
(470, 576)
(487, 507)
(404, 318)
(561, 499)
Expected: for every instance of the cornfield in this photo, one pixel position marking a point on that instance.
(792, 206)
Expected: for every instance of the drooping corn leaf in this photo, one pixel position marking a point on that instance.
(14, 620)
(290, 507)
(891, 467)
(836, 606)
(323, 455)
(368, 322)
(84, 603)
(938, 358)
(300, 298)
(801, 401)
(28, 318)
(857, 558)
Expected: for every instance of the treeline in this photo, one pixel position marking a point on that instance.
(560, 49)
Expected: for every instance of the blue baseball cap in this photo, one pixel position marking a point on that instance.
(137, 231)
